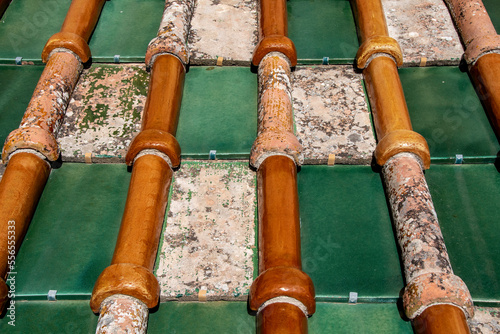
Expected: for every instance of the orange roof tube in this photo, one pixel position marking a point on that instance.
(153, 153)
(482, 53)
(29, 149)
(282, 295)
(379, 55)
(127, 288)
(20, 189)
(403, 155)
(273, 32)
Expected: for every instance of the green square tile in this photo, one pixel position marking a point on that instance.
(202, 318)
(348, 243)
(17, 84)
(43, 317)
(218, 112)
(28, 24)
(466, 198)
(345, 319)
(493, 8)
(125, 29)
(322, 28)
(73, 233)
(446, 110)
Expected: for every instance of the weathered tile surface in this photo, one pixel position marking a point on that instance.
(423, 29)
(104, 113)
(223, 28)
(331, 115)
(209, 239)
(486, 321)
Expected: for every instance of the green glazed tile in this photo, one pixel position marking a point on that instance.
(322, 28)
(202, 318)
(27, 25)
(17, 84)
(124, 28)
(446, 110)
(358, 318)
(348, 243)
(218, 112)
(466, 198)
(73, 233)
(493, 9)
(44, 317)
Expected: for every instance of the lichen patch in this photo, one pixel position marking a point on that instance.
(209, 239)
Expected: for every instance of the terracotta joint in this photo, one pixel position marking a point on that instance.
(481, 46)
(400, 141)
(376, 45)
(275, 43)
(126, 279)
(154, 139)
(33, 138)
(164, 44)
(69, 41)
(283, 282)
(431, 289)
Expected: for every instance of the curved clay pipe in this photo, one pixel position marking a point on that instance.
(274, 32)
(404, 154)
(28, 171)
(282, 295)
(153, 152)
(482, 53)
(20, 189)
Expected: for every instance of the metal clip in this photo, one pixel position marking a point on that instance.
(353, 297)
(326, 60)
(212, 155)
(19, 60)
(51, 296)
(117, 59)
(459, 159)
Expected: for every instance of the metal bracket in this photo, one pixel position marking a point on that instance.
(353, 297)
(117, 59)
(212, 155)
(51, 296)
(459, 159)
(326, 60)
(19, 60)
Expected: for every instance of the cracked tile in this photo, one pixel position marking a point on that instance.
(209, 238)
(423, 30)
(104, 113)
(331, 115)
(224, 28)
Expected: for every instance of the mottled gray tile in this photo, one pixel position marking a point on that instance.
(104, 113)
(223, 28)
(331, 115)
(424, 29)
(2, 170)
(486, 321)
(209, 239)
